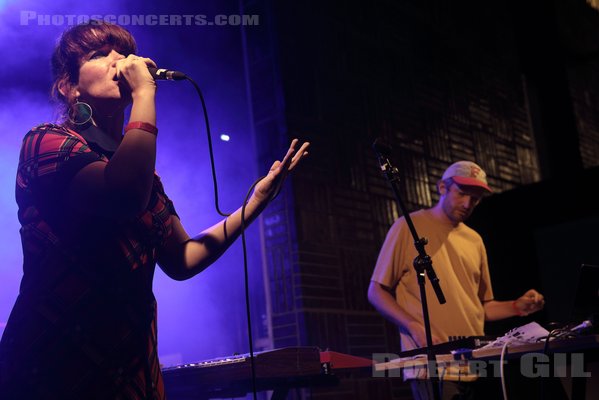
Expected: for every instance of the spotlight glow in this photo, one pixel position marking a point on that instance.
(225, 138)
(4, 3)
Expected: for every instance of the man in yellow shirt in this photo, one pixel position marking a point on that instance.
(460, 261)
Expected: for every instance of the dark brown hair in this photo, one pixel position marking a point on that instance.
(74, 44)
(448, 182)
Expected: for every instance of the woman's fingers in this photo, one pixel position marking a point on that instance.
(292, 157)
(133, 65)
(149, 62)
(289, 155)
(301, 153)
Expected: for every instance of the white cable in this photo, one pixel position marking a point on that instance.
(503, 388)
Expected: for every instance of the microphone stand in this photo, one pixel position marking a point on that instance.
(422, 263)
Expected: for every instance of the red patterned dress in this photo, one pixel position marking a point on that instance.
(84, 323)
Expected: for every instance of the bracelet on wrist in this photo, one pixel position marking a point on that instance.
(144, 126)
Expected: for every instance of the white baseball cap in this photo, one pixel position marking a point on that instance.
(467, 173)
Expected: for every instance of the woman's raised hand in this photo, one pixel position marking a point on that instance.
(270, 186)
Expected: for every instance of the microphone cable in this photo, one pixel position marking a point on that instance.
(210, 150)
(243, 226)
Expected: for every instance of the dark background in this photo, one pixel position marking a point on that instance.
(510, 85)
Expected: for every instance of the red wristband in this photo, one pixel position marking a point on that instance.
(518, 312)
(144, 126)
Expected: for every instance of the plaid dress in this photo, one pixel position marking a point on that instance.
(84, 323)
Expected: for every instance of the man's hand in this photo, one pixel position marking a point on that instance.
(530, 302)
(417, 332)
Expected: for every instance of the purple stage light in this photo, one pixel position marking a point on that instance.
(203, 317)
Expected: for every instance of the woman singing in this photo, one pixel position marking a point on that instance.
(95, 220)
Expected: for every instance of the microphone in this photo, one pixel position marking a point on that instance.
(383, 152)
(165, 74)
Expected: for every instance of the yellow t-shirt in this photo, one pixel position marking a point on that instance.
(460, 262)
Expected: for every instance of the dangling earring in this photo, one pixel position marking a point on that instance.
(80, 113)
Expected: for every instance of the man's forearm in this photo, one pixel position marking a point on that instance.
(385, 303)
(496, 310)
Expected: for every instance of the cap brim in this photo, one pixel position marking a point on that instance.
(461, 180)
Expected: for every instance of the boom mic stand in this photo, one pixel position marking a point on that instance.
(422, 263)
